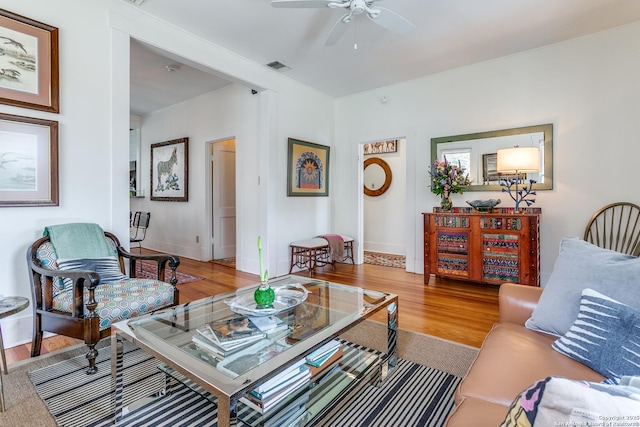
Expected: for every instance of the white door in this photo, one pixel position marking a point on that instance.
(223, 174)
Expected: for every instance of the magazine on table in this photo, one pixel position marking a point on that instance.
(218, 350)
(270, 325)
(206, 333)
(234, 328)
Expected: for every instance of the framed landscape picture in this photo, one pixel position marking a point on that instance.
(28, 63)
(307, 169)
(170, 171)
(28, 161)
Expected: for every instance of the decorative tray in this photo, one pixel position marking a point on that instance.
(287, 297)
(484, 205)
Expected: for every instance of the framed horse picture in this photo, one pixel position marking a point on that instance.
(170, 171)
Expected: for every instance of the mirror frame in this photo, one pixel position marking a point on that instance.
(387, 176)
(547, 129)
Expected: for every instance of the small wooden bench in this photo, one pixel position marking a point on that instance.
(312, 253)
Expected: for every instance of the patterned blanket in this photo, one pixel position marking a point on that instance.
(336, 246)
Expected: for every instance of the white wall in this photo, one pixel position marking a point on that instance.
(89, 188)
(588, 88)
(94, 142)
(384, 215)
(230, 112)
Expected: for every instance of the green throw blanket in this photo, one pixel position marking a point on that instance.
(78, 240)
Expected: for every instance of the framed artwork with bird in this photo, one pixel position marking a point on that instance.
(29, 71)
(28, 161)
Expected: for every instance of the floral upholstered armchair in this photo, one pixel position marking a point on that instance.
(79, 286)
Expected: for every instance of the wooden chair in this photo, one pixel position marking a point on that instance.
(139, 228)
(616, 227)
(76, 303)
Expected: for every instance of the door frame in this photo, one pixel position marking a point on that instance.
(207, 249)
(413, 221)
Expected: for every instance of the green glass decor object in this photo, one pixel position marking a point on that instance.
(264, 295)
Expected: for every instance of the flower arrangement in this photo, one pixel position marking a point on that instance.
(448, 178)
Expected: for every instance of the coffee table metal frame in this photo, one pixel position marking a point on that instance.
(228, 390)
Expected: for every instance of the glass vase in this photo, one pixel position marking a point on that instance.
(445, 203)
(264, 294)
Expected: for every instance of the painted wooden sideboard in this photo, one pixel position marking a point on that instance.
(497, 247)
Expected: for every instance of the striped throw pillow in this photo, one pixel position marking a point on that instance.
(107, 268)
(605, 336)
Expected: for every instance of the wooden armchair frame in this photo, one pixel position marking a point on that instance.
(76, 324)
(616, 227)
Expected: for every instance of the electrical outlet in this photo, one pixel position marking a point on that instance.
(197, 239)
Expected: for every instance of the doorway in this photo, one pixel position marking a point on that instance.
(384, 216)
(223, 200)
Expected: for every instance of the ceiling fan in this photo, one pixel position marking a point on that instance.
(384, 17)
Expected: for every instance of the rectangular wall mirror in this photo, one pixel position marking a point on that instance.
(477, 153)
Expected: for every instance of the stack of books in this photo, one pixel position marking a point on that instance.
(269, 394)
(273, 394)
(227, 336)
(324, 357)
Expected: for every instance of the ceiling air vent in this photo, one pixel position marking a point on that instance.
(278, 66)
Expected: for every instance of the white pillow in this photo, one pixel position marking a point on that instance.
(582, 265)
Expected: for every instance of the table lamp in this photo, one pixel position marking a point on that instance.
(517, 160)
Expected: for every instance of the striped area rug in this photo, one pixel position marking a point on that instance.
(414, 395)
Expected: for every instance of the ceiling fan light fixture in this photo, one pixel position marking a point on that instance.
(383, 17)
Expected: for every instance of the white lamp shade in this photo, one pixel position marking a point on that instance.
(521, 159)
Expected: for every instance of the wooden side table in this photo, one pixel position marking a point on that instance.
(8, 306)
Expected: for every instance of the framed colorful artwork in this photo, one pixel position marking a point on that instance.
(170, 171)
(307, 169)
(28, 63)
(28, 161)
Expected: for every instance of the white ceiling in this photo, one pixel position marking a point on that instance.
(449, 34)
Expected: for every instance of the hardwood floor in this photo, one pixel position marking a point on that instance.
(457, 311)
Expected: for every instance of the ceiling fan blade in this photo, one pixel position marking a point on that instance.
(302, 3)
(338, 30)
(392, 21)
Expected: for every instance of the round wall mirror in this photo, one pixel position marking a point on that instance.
(377, 176)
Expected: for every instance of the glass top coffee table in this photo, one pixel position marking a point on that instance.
(327, 310)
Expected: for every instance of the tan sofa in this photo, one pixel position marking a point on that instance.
(511, 359)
